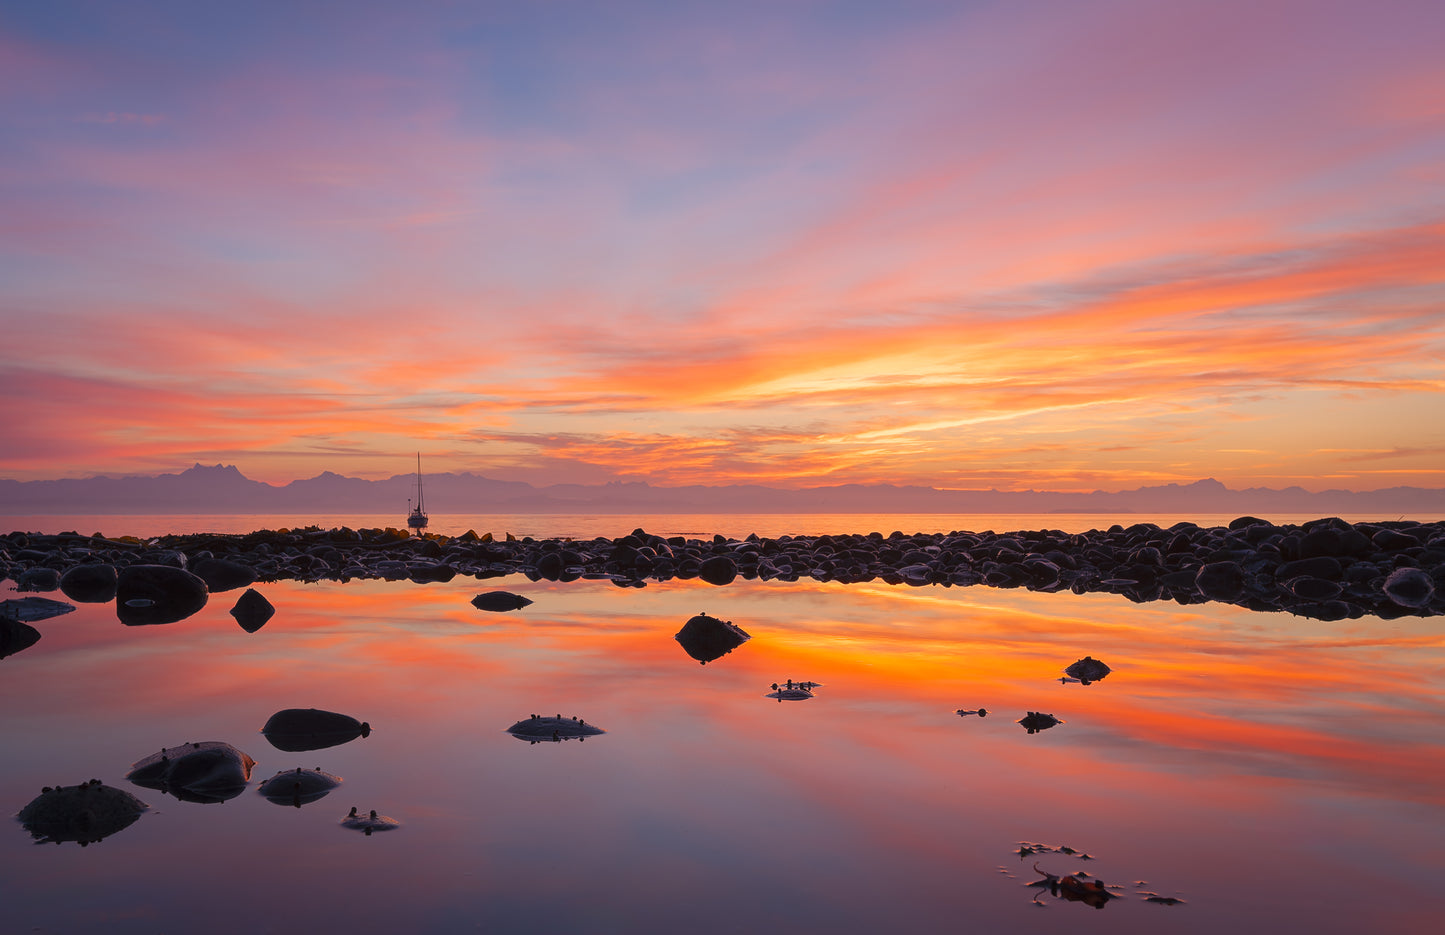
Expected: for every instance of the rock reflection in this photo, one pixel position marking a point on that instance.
(207, 772)
(27, 609)
(299, 787)
(16, 636)
(252, 610)
(1075, 887)
(706, 638)
(298, 729)
(84, 814)
(542, 729)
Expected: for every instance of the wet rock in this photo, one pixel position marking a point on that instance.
(369, 823)
(1220, 581)
(157, 594)
(89, 584)
(298, 787)
(706, 638)
(1035, 721)
(1309, 588)
(296, 729)
(790, 694)
(222, 575)
(500, 601)
(252, 610)
(207, 772)
(1087, 670)
(1409, 587)
(84, 813)
(719, 570)
(29, 609)
(38, 579)
(548, 728)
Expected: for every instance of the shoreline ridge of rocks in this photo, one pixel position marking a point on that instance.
(1326, 568)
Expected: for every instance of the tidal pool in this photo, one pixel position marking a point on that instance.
(1233, 770)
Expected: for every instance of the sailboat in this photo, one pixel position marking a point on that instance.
(417, 518)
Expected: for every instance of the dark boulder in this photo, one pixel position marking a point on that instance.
(210, 771)
(1409, 587)
(89, 584)
(539, 728)
(500, 601)
(295, 729)
(718, 570)
(299, 786)
(1220, 581)
(223, 575)
(84, 814)
(152, 594)
(707, 638)
(252, 610)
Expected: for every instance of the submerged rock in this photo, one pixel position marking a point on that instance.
(207, 772)
(369, 822)
(223, 575)
(539, 728)
(299, 786)
(296, 729)
(84, 814)
(252, 610)
(707, 638)
(1409, 587)
(500, 601)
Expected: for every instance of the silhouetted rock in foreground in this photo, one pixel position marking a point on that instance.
(210, 771)
(707, 638)
(295, 729)
(83, 814)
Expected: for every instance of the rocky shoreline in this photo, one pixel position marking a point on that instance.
(1326, 569)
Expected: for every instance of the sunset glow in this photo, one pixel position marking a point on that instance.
(1056, 245)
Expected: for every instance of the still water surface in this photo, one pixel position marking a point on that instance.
(1270, 771)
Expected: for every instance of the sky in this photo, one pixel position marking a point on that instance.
(1074, 245)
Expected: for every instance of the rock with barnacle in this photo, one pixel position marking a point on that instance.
(1036, 721)
(207, 772)
(83, 814)
(1087, 670)
(706, 638)
(299, 786)
(296, 729)
(369, 822)
(553, 729)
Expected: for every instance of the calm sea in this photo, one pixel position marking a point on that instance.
(1236, 771)
(591, 525)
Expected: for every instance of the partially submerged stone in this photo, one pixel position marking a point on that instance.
(252, 610)
(369, 822)
(153, 594)
(223, 575)
(28, 609)
(706, 638)
(210, 771)
(539, 728)
(295, 729)
(790, 694)
(83, 814)
(1036, 721)
(1087, 670)
(499, 601)
(299, 786)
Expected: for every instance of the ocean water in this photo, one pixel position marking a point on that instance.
(591, 525)
(1235, 771)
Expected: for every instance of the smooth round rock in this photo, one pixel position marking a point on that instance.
(299, 786)
(297, 729)
(90, 584)
(1409, 587)
(369, 823)
(539, 728)
(209, 771)
(1220, 581)
(500, 601)
(252, 610)
(706, 638)
(156, 594)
